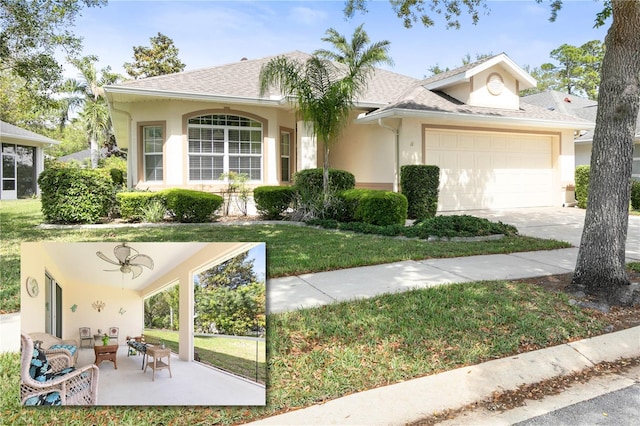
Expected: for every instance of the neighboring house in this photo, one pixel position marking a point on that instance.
(587, 110)
(82, 157)
(187, 129)
(22, 161)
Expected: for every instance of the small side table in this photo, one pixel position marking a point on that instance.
(106, 353)
(158, 353)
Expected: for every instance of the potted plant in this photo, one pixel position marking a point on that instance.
(105, 340)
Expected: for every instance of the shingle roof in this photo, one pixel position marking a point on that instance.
(566, 103)
(10, 131)
(417, 98)
(456, 71)
(241, 79)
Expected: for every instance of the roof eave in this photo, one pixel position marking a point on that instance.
(530, 122)
(159, 93)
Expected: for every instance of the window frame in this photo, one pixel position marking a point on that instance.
(220, 120)
(142, 160)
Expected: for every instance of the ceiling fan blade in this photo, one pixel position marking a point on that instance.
(122, 252)
(111, 270)
(105, 258)
(142, 260)
(135, 271)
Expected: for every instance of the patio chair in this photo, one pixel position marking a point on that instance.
(85, 334)
(113, 334)
(50, 380)
(52, 345)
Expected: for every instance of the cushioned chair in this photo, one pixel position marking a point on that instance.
(85, 334)
(113, 334)
(51, 345)
(51, 380)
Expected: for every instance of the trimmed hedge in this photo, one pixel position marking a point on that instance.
(273, 201)
(309, 181)
(190, 206)
(374, 207)
(420, 184)
(582, 185)
(133, 205)
(74, 195)
(635, 195)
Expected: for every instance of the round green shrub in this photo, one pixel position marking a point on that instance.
(309, 181)
(74, 195)
(272, 201)
(374, 207)
(134, 205)
(190, 206)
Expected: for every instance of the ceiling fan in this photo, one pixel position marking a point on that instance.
(129, 260)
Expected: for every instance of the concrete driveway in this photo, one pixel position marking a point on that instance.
(560, 223)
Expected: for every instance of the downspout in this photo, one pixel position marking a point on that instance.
(131, 141)
(396, 165)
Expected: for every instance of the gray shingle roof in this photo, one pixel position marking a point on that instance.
(417, 98)
(10, 131)
(566, 103)
(241, 79)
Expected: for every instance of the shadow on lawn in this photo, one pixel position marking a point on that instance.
(252, 370)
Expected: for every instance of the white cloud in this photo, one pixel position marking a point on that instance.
(307, 16)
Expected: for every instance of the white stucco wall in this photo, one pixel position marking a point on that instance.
(34, 261)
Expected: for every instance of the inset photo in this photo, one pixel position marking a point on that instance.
(143, 323)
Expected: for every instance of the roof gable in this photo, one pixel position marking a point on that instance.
(466, 72)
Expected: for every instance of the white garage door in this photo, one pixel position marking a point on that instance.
(491, 170)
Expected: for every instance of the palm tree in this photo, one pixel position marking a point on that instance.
(95, 112)
(325, 91)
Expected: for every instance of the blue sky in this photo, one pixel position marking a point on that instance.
(209, 33)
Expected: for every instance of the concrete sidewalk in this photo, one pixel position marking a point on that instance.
(309, 290)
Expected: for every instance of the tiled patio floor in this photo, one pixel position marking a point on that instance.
(191, 384)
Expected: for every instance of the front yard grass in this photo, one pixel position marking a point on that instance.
(291, 250)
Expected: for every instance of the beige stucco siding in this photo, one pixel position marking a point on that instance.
(175, 115)
(368, 151)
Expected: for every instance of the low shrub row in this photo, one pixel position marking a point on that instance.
(182, 205)
(75, 195)
(439, 226)
(582, 175)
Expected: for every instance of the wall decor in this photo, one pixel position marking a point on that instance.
(74, 307)
(98, 305)
(32, 287)
(122, 311)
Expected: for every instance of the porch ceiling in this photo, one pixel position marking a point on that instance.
(79, 262)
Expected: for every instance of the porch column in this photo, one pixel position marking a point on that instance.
(186, 316)
(306, 147)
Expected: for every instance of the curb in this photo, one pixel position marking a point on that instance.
(417, 399)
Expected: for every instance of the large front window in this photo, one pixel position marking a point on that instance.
(221, 143)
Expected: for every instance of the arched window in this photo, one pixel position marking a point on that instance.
(223, 143)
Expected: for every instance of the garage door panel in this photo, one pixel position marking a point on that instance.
(485, 170)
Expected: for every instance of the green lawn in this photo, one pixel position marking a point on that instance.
(236, 355)
(291, 250)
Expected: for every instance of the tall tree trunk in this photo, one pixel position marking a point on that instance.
(600, 269)
(325, 171)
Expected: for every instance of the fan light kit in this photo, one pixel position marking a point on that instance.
(128, 260)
